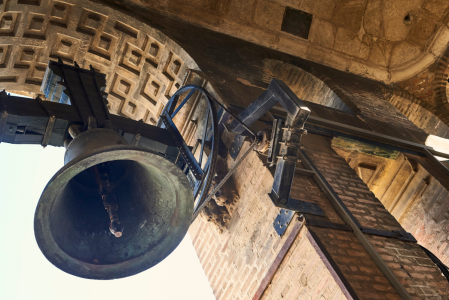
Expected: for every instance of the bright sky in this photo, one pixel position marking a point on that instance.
(26, 274)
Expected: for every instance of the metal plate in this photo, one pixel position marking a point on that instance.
(236, 146)
(282, 221)
(305, 207)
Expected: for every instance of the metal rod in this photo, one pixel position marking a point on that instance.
(203, 138)
(373, 136)
(349, 219)
(436, 161)
(229, 112)
(182, 103)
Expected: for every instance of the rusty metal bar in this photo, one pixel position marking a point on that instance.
(436, 161)
(331, 266)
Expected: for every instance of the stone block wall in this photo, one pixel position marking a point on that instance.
(385, 41)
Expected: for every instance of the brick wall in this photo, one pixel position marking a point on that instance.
(303, 275)
(428, 218)
(370, 212)
(373, 108)
(354, 193)
(421, 86)
(414, 191)
(420, 116)
(429, 87)
(238, 260)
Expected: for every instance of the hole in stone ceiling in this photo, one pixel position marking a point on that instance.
(408, 18)
(296, 22)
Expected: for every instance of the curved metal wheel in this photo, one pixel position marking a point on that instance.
(203, 176)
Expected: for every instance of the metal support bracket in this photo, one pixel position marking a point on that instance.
(3, 119)
(136, 139)
(236, 146)
(182, 146)
(282, 221)
(48, 131)
(300, 206)
(402, 235)
(50, 124)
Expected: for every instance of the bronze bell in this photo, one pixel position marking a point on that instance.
(113, 210)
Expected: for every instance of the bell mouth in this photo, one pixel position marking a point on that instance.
(155, 204)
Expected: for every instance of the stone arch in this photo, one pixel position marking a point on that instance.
(143, 67)
(423, 117)
(440, 84)
(309, 86)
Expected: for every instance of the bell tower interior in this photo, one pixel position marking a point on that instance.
(309, 137)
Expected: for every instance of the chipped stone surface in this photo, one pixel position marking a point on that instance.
(381, 52)
(373, 17)
(315, 7)
(269, 14)
(349, 14)
(424, 27)
(347, 42)
(403, 53)
(437, 7)
(394, 13)
(322, 33)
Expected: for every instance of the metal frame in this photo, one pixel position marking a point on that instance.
(203, 176)
(285, 139)
(347, 216)
(47, 123)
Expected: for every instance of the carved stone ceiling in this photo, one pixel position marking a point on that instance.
(229, 40)
(385, 40)
(143, 67)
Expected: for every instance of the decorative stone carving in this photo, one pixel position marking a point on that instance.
(143, 67)
(221, 207)
(217, 215)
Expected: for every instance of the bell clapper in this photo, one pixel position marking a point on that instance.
(109, 201)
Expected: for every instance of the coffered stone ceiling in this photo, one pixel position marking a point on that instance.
(143, 67)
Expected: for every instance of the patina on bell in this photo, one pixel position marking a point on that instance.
(154, 201)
